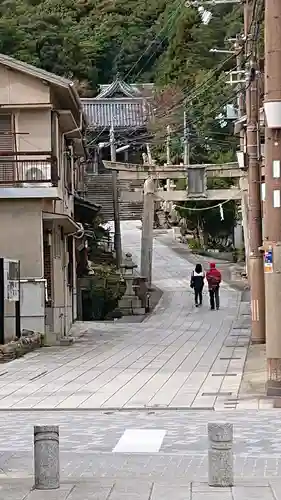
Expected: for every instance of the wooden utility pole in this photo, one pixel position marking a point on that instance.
(168, 144)
(186, 154)
(272, 204)
(117, 229)
(243, 179)
(254, 182)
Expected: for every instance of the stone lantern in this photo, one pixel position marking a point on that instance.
(130, 304)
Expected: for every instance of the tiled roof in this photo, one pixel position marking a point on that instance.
(119, 104)
(127, 89)
(119, 112)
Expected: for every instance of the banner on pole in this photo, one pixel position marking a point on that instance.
(268, 261)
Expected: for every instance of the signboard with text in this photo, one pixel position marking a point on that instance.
(11, 280)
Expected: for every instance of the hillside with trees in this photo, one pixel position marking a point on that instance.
(91, 41)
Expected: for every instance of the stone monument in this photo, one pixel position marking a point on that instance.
(130, 304)
(220, 454)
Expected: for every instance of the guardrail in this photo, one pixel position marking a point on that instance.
(28, 171)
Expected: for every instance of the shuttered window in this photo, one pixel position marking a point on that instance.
(7, 144)
(48, 269)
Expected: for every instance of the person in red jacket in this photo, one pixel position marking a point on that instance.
(214, 279)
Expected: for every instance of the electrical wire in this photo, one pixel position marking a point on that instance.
(195, 93)
(171, 16)
(194, 122)
(237, 9)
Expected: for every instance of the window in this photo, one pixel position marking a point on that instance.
(70, 267)
(57, 243)
(7, 145)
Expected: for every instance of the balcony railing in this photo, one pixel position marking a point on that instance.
(28, 172)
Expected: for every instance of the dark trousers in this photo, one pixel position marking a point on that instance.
(198, 295)
(214, 298)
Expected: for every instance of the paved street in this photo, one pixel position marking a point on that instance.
(179, 357)
(147, 490)
(133, 401)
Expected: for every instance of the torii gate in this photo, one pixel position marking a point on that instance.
(196, 190)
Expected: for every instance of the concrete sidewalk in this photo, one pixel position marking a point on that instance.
(103, 489)
(179, 357)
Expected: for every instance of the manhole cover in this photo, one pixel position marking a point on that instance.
(224, 374)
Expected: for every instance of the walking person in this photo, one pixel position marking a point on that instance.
(214, 280)
(197, 283)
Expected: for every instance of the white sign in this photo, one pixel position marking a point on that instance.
(11, 280)
(276, 198)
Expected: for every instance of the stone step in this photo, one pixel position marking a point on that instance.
(99, 191)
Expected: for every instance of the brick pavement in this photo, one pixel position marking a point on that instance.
(87, 441)
(117, 377)
(147, 490)
(178, 357)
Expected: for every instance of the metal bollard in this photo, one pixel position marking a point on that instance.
(220, 454)
(46, 457)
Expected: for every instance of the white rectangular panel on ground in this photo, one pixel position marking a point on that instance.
(140, 441)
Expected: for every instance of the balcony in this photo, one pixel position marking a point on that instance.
(28, 172)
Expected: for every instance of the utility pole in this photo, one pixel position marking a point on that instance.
(186, 155)
(168, 142)
(168, 153)
(272, 205)
(117, 230)
(254, 182)
(243, 180)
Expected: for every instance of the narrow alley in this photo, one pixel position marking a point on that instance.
(178, 357)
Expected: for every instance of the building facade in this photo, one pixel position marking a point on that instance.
(41, 171)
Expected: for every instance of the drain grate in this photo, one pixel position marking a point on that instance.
(229, 358)
(39, 375)
(216, 394)
(237, 345)
(244, 335)
(224, 374)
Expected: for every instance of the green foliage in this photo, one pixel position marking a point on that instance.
(106, 287)
(91, 41)
(208, 220)
(194, 244)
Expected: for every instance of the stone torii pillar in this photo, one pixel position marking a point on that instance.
(147, 229)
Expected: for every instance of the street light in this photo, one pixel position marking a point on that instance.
(123, 148)
(219, 51)
(206, 15)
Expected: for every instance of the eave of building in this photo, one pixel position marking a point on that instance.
(44, 76)
(85, 210)
(27, 106)
(63, 220)
(68, 123)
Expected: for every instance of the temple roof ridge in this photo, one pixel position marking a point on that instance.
(118, 86)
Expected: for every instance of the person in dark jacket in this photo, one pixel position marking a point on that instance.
(214, 280)
(197, 283)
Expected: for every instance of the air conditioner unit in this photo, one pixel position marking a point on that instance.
(38, 175)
